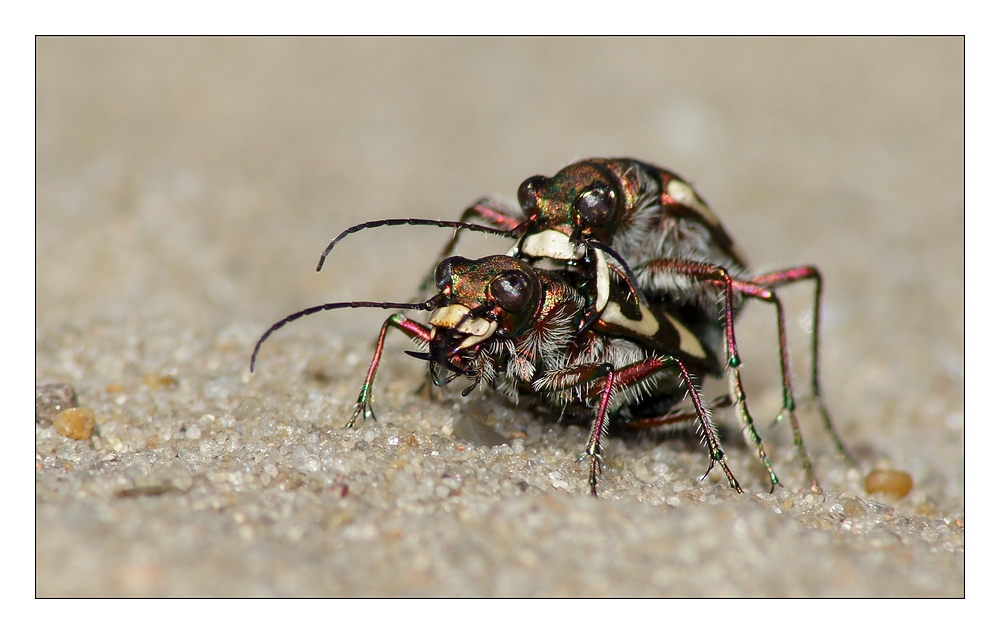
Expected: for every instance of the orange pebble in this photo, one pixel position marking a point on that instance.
(75, 422)
(890, 482)
(155, 381)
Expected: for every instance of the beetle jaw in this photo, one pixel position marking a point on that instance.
(455, 317)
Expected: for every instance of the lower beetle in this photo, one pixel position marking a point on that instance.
(502, 323)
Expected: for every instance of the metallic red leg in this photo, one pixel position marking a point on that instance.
(718, 275)
(783, 278)
(578, 375)
(416, 331)
(598, 429)
(674, 418)
(788, 395)
(491, 214)
(627, 376)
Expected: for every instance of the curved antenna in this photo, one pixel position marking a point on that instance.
(594, 244)
(428, 305)
(417, 222)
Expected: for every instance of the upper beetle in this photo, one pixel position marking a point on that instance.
(625, 224)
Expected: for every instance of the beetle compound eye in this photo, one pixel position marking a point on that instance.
(527, 194)
(443, 272)
(511, 291)
(596, 205)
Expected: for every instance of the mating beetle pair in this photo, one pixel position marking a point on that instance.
(628, 325)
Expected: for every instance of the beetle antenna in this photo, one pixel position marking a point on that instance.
(428, 305)
(419, 222)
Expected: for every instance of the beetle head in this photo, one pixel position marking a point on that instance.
(581, 202)
(496, 296)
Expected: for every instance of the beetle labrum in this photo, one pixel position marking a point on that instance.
(641, 233)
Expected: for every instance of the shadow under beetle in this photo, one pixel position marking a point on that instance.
(649, 263)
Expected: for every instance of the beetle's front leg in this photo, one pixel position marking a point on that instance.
(417, 331)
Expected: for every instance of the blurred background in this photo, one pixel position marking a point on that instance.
(196, 181)
(187, 186)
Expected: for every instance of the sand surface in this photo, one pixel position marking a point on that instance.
(186, 188)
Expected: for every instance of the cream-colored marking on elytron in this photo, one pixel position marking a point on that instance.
(552, 244)
(689, 343)
(646, 325)
(603, 280)
(682, 193)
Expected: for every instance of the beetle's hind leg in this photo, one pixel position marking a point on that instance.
(674, 420)
(778, 279)
(574, 376)
(787, 394)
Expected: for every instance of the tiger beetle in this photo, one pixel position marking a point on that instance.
(503, 323)
(651, 262)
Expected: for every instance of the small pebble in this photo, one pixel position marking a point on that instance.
(889, 482)
(853, 509)
(51, 399)
(75, 422)
(155, 381)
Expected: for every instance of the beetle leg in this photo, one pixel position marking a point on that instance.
(415, 330)
(788, 395)
(599, 427)
(673, 418)
(578, 376)
(782, 278)
(490, 212)
(718, 275)
(627, 376)
(710, 273)
(636, 372)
